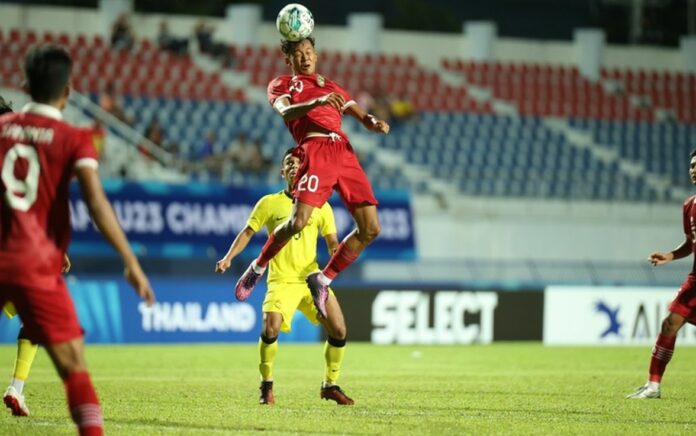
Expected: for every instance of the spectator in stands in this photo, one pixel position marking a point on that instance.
(247, 155)
(98, 135)
(206, 44)
(155, 134)
(167, 42)
(364, 99)
(206, 148)
(402, 109)
(256, 161)
(380, 106)
(110, 102)
(122, 36)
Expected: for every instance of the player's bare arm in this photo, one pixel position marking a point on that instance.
(238, 245)
(331, 242)
(103, 215)
(661, 258)
(66, 264)
(370, 122)
(291, 112)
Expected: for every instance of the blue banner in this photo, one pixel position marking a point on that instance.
(164, 220)
(187, 310)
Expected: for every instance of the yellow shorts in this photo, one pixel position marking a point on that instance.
(9, 310)
(286, 298)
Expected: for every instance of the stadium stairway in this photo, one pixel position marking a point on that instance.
(118, 156)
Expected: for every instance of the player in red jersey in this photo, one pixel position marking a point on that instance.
(683, 307)
(39, 154)
(311, 106)
(26, 350)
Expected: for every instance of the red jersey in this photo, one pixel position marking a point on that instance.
(303, 88)
(689, 223)
(38, 154)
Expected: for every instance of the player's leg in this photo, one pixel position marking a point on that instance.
(661, 355)
(349, 249)
(50, 319)
(68, 359)
(356, 193)
(334, 350)
(268, 348)
(14, 395)
(276, 241)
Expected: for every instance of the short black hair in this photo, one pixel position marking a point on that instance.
(287, 47)
(47, 70)
(4, 106)
(289, 151)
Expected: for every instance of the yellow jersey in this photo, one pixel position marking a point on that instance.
(299, 257)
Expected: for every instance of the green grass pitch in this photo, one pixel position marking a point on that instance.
(439, 390)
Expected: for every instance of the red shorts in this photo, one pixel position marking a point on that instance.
(329, 163)
(684, 303)
(48, 315)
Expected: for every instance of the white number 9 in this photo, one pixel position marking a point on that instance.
(21, 194)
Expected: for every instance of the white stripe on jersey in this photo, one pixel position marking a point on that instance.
(87, 162)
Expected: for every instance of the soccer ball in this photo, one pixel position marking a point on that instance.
(294, 22)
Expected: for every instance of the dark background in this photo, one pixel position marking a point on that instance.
(663, 20)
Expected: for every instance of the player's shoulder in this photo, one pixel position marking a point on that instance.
(273, 198)
(279, 81)
(689, 201)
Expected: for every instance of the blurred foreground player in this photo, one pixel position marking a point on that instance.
(312, 106)
(39, 154)
(26, 350)
(287, 290)
(683, 307)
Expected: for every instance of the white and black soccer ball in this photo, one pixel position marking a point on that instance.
(294, 22)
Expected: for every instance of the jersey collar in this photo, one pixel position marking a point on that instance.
(43, 110)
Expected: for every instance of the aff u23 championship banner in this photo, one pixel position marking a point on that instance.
(166, 220)
(187, 310)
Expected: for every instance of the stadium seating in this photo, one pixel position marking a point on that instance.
(662, 148)
(548, 90)
(141, 71)
(509, 156)
(376, 74)
(457, 138)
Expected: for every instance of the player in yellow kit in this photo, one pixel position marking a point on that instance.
(287, 289)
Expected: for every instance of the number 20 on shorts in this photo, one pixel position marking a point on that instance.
(308, 183)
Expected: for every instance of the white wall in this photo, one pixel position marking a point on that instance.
(545, 230)
(428, 48)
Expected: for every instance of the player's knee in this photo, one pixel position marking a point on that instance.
(338, 332)
(68, 358)
(670, 326)
(271, 327)
(370, 231)
(271, 331)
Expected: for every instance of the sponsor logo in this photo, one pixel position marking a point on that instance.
(612, 317)
(194, 317)
(444, 317)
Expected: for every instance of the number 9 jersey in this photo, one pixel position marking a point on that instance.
(38, 155)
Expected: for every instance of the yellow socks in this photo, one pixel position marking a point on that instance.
(268, 348)
(26, 351)
(334, 349)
